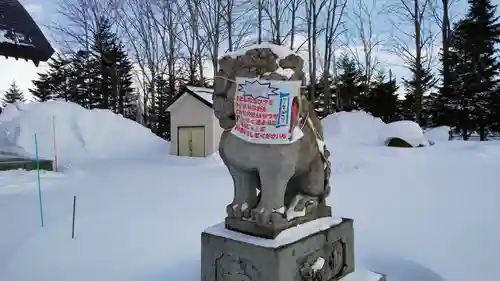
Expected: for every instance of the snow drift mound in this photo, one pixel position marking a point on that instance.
(81, 134)
(355, 127)
(438, 134)
(361, 128)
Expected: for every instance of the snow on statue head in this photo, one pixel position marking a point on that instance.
(272, 143)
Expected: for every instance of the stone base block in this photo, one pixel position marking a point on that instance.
(320, 250)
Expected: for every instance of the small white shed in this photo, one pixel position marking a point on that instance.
(194, 129)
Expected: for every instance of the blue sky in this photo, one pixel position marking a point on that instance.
(43, 11)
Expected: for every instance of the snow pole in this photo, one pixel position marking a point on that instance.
(55, 144)
(73, 224)
(38, 178)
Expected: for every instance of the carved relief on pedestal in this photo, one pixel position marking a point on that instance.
(337, 259)
(324, 264)
(231, 268)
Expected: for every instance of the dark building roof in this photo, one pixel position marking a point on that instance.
(20, 36)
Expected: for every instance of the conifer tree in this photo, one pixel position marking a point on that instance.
(382, 100)
(126, 100)
(413, 105)
(84, 81)
(42, 90)
(348, 83)
(475, 70)
(103, 47)
(324, 103)
(114, 70)
(55, 83)
(12, 95)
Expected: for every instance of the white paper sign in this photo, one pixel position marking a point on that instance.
(266, 110)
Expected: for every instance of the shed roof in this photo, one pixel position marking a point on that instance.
(204, 95)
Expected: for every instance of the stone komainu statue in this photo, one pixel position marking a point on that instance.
(292, 178)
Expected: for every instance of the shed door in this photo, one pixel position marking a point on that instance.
(191, 141)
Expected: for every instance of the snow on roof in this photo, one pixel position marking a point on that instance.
(281, 51)
(3, 38)
(204, 93)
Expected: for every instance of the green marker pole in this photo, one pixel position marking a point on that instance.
(38, 172)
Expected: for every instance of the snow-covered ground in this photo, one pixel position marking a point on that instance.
(423, 214)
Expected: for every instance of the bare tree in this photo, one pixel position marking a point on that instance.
(190, 39)
(275, 10)
(294, 6)
(211, 22)
(334, 27)
(441, 13)
(366, 41)
(314, 12)
(283, 18)
(135, 17)
(237, 22)
(167, 26)
(79, 22)
(413, 45)
(260, 19)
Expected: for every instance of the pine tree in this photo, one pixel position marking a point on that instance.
(55, 80)
(382, 100)
(324, 104)
(349, 87)
(12, 95)
(103, 47)
(159, 115)
(114, 72)
(84, 83)
(413, 104)
(459, 102)
(476, 69)
(126, 100)
(43, 90)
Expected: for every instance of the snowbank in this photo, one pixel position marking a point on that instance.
(355, 127)
(81, 134)
(438, 134)
(361, 128)
(11, 110)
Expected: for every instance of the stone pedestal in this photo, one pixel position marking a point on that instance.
(320, 250)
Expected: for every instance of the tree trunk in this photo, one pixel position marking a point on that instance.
(418, 62)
